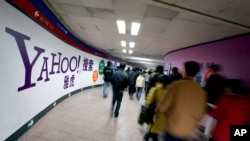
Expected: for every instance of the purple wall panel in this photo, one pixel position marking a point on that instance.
(233, 54)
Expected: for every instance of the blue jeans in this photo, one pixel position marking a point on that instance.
(138, 93)
(106, 88)
(168, 137)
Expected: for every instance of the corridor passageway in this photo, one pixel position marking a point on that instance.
(85, 116)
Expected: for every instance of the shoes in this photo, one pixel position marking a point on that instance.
(111, 111)
(131, 97)
(116, 115)
(105, 96)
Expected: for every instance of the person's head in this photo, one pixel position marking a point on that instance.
(134, 69)
(163, 79)
(175, 70)
(122, 66)
(191, 68)
(215, 67)
(109, 63)
(149, 72)
(159, 69)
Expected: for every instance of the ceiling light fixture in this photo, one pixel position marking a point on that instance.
(142, 59)
(130, 51)
(123, 43)
(132, 44)
(121, 26)
(124, 51)
(135, 28)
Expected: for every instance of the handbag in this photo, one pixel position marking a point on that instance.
(147, 113)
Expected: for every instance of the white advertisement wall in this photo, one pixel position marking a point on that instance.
(36, 69)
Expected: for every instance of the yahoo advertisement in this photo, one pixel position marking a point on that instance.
(38, 68)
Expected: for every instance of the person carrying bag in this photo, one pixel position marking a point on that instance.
(147, 115)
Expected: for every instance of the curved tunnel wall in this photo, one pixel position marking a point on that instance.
(38, 69)
(233, 54)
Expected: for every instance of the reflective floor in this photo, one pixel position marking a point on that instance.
(86, 116)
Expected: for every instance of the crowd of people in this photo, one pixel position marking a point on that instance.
(180, 102)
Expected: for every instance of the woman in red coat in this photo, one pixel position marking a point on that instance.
(233, 108)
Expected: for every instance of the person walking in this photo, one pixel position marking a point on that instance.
(214, 83)
(147, 75)
(183, 105)
(131, 82)
(119, 81)
(175, 74)
(159, 70)
(107, 72)
(155, 96)
(232, 108)
(140, 84)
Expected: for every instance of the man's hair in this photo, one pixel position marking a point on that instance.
(159, 69)
(122, 66)
(174, 69)
(134, 69)
(191, 68)
(215, 67)
(109, 63)
(164, 79)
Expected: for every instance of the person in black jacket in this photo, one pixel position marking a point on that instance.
(107, 72)
(215, 84)
(131, 82)
(175, 74)
(119, 81)
(152, 79)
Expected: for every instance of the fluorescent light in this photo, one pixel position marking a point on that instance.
(130, 51)
(123, 43)
(142, 59)
(121, 26)
(124, 51)
(132, 44)
(135, 28)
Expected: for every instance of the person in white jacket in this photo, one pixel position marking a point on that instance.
(140, 84)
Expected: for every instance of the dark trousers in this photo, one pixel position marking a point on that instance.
(168, 137)
(131, 89)
(117, 98)
(151, 135)
(146, 86)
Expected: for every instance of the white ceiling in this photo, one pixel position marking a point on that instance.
(166, 25)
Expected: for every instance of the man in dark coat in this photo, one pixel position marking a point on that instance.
(107, 72)
(119, 81)
(131, 82)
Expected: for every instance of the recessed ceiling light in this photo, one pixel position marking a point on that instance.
(123, 43)
(135, 28)
(130, 51)
(124, 51)
(132, 44)
(121, 26)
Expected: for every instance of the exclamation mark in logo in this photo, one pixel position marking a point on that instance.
(78, 64)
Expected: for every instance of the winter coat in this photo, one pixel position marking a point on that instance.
(156, 94)
(140, 81)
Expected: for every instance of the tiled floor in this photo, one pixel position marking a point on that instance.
(86, 117)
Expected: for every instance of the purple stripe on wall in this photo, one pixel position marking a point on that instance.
(233, 54)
